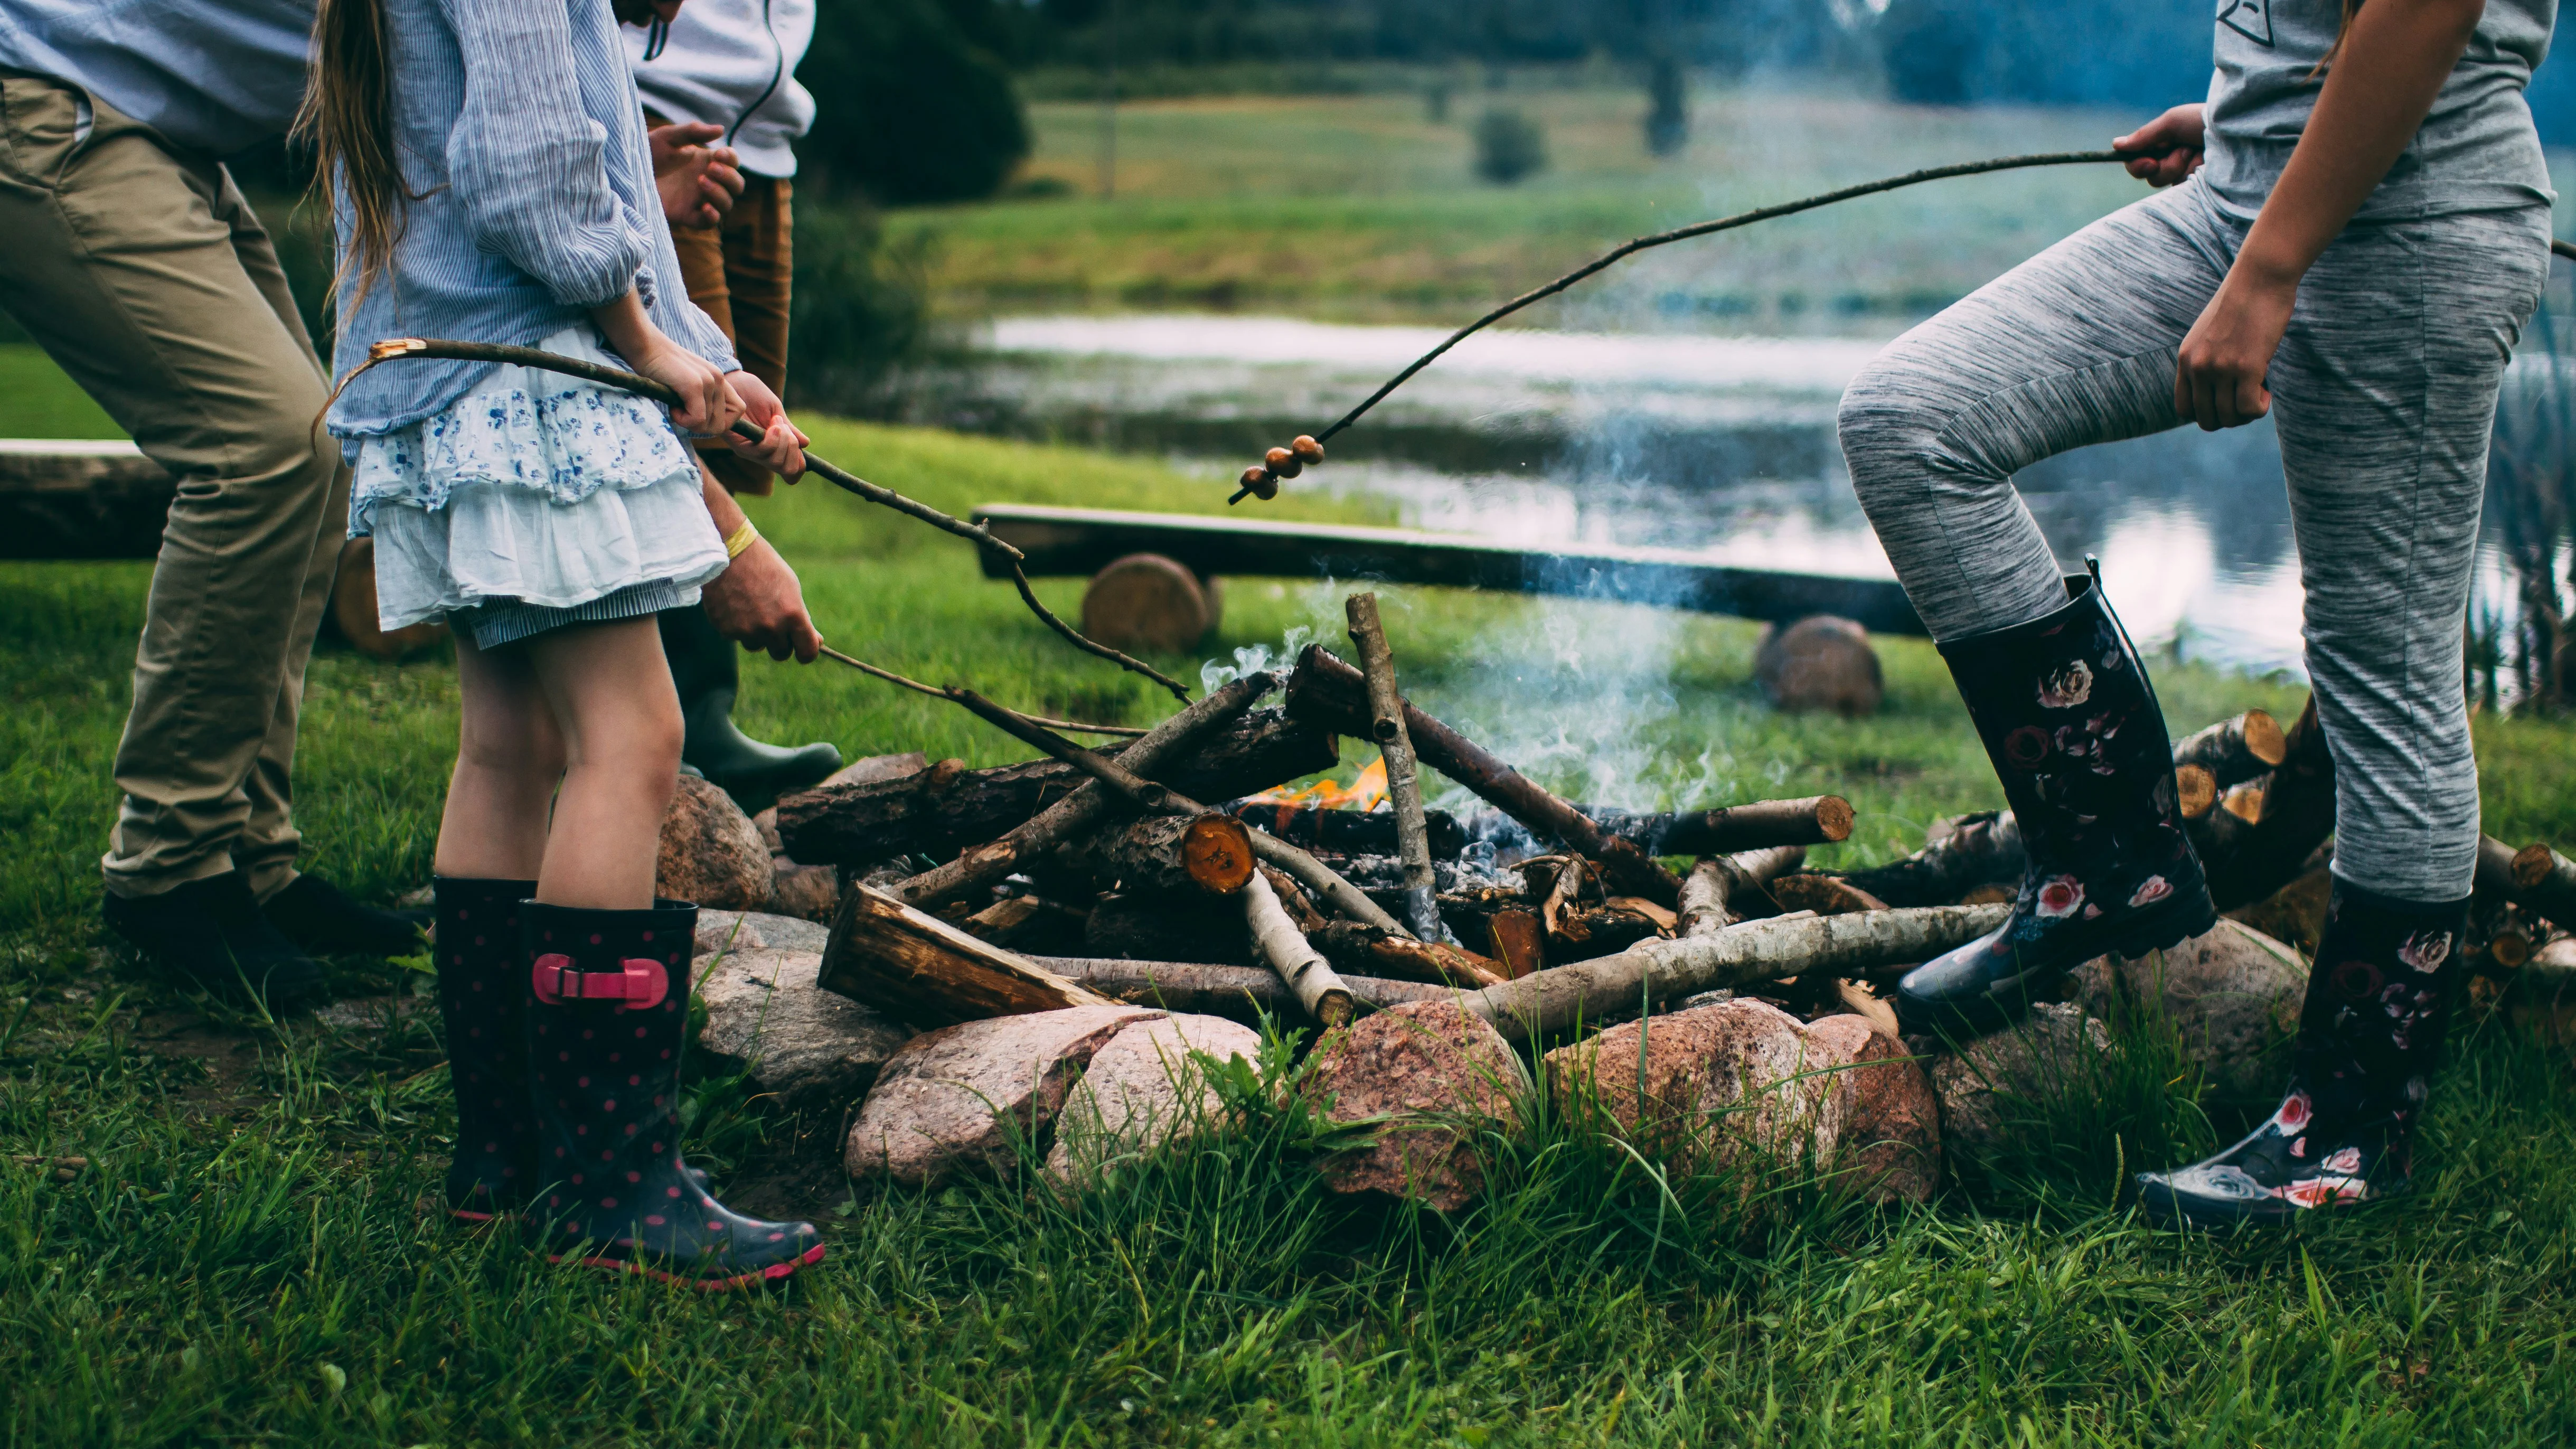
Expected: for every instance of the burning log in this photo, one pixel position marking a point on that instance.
(943, 811)
(1983, 849)
(2546, 881)
(2236, 750)
(1328, 691)
(1145, 795)
(979, 866)
(1319, 990)
(1239, 993)
(1361, 947)
(1725, 889)
(1346, 832)
(1172, 854)
(2298, 814)
(1613, 987)
(1403, 786)
(909, 964)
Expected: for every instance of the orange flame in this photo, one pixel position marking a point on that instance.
(1363, 793)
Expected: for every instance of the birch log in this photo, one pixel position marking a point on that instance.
(1725, 889)
(1612, 988)
(1403, 782)
(1278, 941)
(1238, 993)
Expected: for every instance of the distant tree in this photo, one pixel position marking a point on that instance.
(1667, 105)
(1509, 146)
(912, 102)
(2139, 53)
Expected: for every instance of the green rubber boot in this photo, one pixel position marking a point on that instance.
(707, 670)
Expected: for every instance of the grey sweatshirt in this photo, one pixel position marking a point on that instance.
(732, 63)
(2477, 151)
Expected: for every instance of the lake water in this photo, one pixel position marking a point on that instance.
(1722, 446)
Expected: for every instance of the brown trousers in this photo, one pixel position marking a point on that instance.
(145, 276)
(740, 271)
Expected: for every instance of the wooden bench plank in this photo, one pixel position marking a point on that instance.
(1080, 541)
(81, 499)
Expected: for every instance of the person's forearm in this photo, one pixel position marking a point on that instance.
(2382, 84)
(625, 325)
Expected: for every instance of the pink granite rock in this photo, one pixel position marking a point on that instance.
(1438, 1075)
(1145, 1087)
(957, 1100)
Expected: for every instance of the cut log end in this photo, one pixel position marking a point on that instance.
(1146, 601)
(1834, 817)
(2195, 791)
(2264, 738)
(2536, 863)
(1216, 851)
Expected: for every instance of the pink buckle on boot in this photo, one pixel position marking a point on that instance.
(641, 984)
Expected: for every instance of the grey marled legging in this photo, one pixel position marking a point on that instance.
(2383, 393)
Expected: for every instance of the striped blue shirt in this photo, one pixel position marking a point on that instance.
(520, 135)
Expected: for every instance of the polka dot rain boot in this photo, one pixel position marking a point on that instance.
(482, 1002)
(607, 1019)
(2379, 998)
(2070, 720)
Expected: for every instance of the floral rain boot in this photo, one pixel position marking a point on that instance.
(2378, 999)
(605, 1030)
(2070, 720)
(482, 999)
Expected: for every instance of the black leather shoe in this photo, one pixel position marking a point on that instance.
(2071, 722)
(706, 668)
(2379, 998)
(606, 1023)
(316, 916)
(211, 932)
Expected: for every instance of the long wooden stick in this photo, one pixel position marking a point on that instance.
(1241, 993)
(1714, 893)
(986, 864)
(1610, 988)
(1665, 238)
(1327, 689)
(1403, 783)
(1276, 938)
(393, 348)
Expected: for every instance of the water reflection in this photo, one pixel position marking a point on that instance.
(1721, 446)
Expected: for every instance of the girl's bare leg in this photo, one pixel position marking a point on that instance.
(509, 756)
(610, 693)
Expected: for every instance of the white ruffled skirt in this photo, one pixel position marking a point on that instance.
(537, 499)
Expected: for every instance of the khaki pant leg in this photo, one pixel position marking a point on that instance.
(760, 271)
(139, 271)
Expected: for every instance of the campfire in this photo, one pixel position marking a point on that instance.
(1179, 873)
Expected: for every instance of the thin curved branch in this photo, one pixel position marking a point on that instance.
(1685, 233)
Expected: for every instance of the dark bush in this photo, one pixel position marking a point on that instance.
(859, 309)
(910, 103)
(1509, 146)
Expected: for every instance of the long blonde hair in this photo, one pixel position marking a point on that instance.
(347, 118)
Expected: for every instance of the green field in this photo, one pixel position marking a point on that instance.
(243, 1261)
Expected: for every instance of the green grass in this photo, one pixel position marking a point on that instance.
(243, 1261)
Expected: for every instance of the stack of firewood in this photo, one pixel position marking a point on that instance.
(1102, 877)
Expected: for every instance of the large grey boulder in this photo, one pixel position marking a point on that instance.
(962, 1099)
(2232, 995)
(1145, 1087)
(752, 930)
(1999, 1081)
(812, 1048)
(1437, 1076)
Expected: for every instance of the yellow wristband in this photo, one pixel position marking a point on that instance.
(740, 539)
